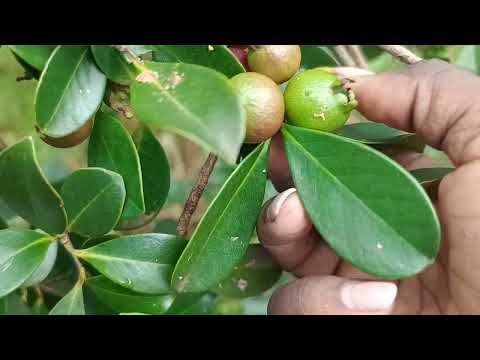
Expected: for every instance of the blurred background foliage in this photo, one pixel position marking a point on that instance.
(17, 120)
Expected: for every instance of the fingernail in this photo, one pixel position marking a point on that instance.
(368, 296)
(276, 205)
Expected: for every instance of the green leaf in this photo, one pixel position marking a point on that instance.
(317, 55)
(26, 191)
(255, 274)
(142, 263)
(217, 57)
(380, 134)
(12, 304)
(111, 147)
(166, 226)
(3, 224)
(370, 210)
(469, 58)
(94, 200)
(124, 300)
(222, 236)
(141, 49)
(69, 91)
(45, 267)
(195, 102)
(192, 304)
(155, 169)
(70, 304)
(113, 64)
(34, 55)
(21, 253)
(429, 175)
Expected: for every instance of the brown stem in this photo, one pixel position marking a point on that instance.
(358, 56)
(195, 195)
(401, 53)
(2, 144)
(343, 55)
(67, 243)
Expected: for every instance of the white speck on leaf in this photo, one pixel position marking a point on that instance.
(379, 246)
(234, 238)
(242, 284)
(210, 48)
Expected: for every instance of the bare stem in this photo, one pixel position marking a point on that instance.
(344, 56)
(195, 195)
(358, 56)
(401, 53)
(67, 243)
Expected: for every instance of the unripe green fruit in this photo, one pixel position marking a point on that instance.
(71, 140)
(278, 62)
(315, 99)
(263, 103)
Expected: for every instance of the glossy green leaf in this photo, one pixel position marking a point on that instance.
(195, 102)
(192, 304)
(379, 134)
(255, 274)
(317, 55)
(370, 210)
(142, 263)
(124, 300)
(155, 169)
(217, 57)
(113, 64)
(69, 91)
(26, 191)
(94, 200)
(428, 175)
(45, 267)
(111, 147)
(222, 236)
(21, 253)
(141, 49)
(34, 55)
(70, 304)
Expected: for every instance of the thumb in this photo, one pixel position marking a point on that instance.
(332, 295)
(437, 100)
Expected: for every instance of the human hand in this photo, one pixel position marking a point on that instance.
(441, 103)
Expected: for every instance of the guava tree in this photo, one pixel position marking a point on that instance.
(82, 231)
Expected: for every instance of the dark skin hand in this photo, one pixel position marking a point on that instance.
(441, 102)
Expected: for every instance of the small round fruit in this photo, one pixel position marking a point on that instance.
(315, 99)
(263, 103)
(241, 53)
(74, 139)
(278, 62)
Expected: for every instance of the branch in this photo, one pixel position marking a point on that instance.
(401, 53)
(195, 195)
(343, 55)
(358, 56)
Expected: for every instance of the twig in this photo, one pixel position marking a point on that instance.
(343, 55)
(358, 56)
(67, 243)
(402, 53)
(195, 195)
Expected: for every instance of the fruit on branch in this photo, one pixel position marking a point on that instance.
(316, 99)
(278, 62)
(263, 103)
(71, 140)
(241, 53)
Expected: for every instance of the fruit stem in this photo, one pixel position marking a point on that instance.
(195, 194)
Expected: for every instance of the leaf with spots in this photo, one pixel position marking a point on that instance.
(193, 101)
(222, 236)
(370, 210)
